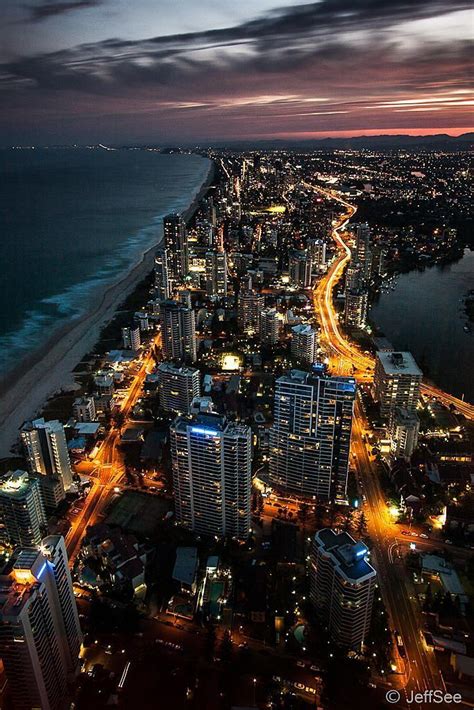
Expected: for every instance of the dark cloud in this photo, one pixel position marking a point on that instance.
(346, 52)
(46, 9)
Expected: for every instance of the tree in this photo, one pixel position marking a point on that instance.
(362, 524)
(427, 604)
(210, 642)
(226, 647)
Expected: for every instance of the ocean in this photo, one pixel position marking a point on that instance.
(72, 221)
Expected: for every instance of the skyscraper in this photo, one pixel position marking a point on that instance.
(22, 508)
(177, 387)
(355, 308)
(404, 430)
(363, 254)
(311, 433)
(46, 449)
(249, 305)
(216, 273)
(397, 381)
(300, 268)
(304, 344)
(212, 474)
(317, 249)
(162, 277)
(269, 326)
(178, 330)
(176, 245)
(40, 635)
(342, 586)
(131, 339)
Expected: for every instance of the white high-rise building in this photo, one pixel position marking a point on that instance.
(342, 586)
(46, 449)
(269, 326)
(176, 245)
(304, 344)
(249, 306)
(212, 474)
(362, 254)
(404, 430)
(22, 508)
(162, 277)
(397, 381)
(177, 387)
(355, 308)
(178, 330)
(131, 339)
(83, 409)
(40, 635)
(317, 249)
(216, 273)
(300, 268)
(311, 434)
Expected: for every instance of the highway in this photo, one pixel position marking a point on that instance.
(108, 462)
(418, 671)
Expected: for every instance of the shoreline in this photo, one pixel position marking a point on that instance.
(28, 386)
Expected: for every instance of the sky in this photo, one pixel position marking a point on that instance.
(197, 71)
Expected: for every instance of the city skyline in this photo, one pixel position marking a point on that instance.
(96, 71)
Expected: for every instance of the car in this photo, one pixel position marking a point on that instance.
(405, 532)
(424, 536)
(414, 534)
(315, 669)
(448, 542)
(301, 664)
(371, 685)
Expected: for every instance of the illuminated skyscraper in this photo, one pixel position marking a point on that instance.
(40, 635)
(212, 474)
(131, 339)
(311, 433)
(355, 308)
(304, 344)
(178, 330)
(176, 245)
(269, 326)
(46, 449)
(342, 586)
(22, 508)
(249, 306)
(299, 268)
(178, 386)
(162, 277)
(216, 273)
(397, 381)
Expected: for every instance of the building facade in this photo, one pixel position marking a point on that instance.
(216, 273)
(176, 245)
(269, 326)
(46, 449)
(342, 586)
(249, 306)
(397, 381)
(40, 635)
(311, 434)
(212, 473)
(178, 330)
(22, 508)
(304, 344)
(404, 430)
(177, 387)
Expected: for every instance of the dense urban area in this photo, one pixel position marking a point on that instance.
(252, 499)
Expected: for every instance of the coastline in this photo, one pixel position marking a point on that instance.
(49, 368)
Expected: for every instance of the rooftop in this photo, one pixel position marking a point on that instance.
(348, 555)
(186, 565)
(395, 363)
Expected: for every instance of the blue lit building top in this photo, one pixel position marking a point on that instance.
(348, 555)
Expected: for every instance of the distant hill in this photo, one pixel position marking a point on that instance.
(440, 141)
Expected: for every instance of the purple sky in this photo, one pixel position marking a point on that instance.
(188, 70)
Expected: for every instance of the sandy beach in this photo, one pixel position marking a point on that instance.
(47, 370)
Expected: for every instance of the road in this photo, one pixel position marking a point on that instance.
(419, 669)
(108, 462)
(345, 357)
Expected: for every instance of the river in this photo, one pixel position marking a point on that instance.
(425, 315)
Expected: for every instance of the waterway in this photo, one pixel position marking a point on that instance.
(425, 315)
